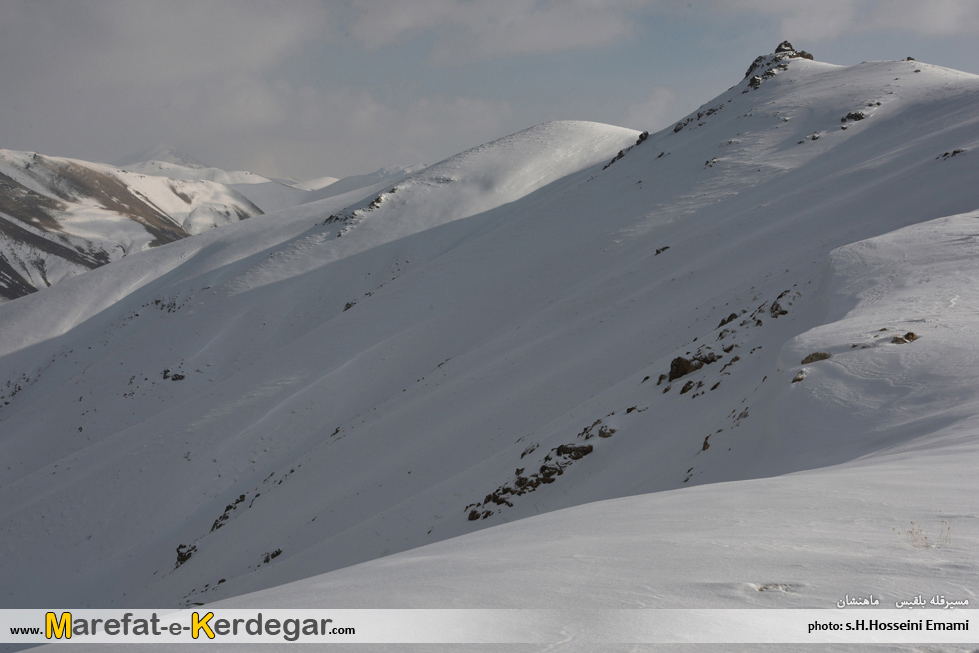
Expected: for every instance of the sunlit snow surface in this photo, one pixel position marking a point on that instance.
(369, 374)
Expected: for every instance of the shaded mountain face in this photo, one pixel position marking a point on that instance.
(59, 217)
(572, 313)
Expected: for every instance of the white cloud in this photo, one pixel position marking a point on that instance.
(465, 31)
(103, 79)
(653, 112)
(140, 42)
(100, 79)
(828, 19)
(933, 18)
(819, 20)
(291, 131)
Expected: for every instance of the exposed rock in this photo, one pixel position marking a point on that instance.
(587, 434)
(815, 356)
(798, 377)
(269, 556)
(783, 51)
(707, 358)
(620, 155)
(680, 366)
(755, 65)
(184, 552)
(910, 336)
(776, 308)
(729, 318)
(731, 362)
(606, 432)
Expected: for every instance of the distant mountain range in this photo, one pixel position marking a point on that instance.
(60, 217)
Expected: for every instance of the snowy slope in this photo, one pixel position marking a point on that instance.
(801, 540)
(271, 196)
(316, 184)
(60, 217)
(804, 540)
(276, 195)
(387, 174)
(484, 341)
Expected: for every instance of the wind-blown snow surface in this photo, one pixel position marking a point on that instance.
(485, 341)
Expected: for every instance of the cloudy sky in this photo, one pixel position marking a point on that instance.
(308, 88)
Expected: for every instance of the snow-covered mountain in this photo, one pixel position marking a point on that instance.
(162, 153)
(267, 194)
(60, 217)
(773, 300)
(177, 171)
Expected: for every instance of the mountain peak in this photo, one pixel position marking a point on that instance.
(784, 50)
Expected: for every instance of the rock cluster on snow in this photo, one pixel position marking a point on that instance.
(772, 64)
(783, 51)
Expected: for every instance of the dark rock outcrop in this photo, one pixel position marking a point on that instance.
(785, 50)
(910, 336)
(815, 356)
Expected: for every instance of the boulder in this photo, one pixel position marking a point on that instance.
(815, 356)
